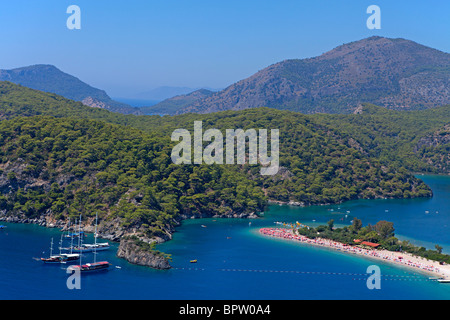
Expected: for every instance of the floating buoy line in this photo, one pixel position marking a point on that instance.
(390, 277)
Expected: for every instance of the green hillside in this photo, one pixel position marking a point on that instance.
(401, 138)
(59, 159)
(65, 167)
(318, 165)
(415, 140)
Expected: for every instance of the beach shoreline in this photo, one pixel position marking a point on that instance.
(420, 264)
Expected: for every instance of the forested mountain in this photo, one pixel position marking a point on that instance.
(417, 140)
(64, 167)
(320, 164)
(393, 137)
(393, 73)
(48, 78)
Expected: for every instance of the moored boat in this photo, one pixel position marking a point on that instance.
(69, 257)
(92, 247)
(52, 258)
(95, 266)
(61, 257)
(74, 234)
(443, 280)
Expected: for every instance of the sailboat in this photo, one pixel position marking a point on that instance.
(94, 266)
(75, 234)
(82, 248)
(52, 258)
(61, 257)
(92, 247)
(69, 256)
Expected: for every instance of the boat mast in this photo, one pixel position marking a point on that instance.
(79, 240)
(71, 238)
(60, 244)
(95, 238)
(51, 248)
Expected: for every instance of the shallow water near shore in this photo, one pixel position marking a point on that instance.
(234, 261)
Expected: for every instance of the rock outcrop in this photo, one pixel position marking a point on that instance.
(137, 254)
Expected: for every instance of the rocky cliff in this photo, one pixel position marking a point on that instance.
(136, 253)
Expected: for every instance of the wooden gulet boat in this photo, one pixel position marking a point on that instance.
(94, 266)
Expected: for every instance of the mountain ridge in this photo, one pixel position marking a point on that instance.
(172, 105)
(48, 78)
(394, 73)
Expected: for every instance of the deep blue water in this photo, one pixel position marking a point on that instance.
(236, 262)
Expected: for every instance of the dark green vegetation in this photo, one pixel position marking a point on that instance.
(60, 158)
(417, 140)
(382, 233)
(148, 247)
(69, 166)
(317, 165)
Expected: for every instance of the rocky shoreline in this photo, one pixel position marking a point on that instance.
(41, 221)
(135, 254)
(112, 230)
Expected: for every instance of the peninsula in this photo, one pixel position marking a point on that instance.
(384, 246)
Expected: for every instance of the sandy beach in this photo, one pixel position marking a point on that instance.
(432, 268)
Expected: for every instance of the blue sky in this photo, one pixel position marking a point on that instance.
(129, 47)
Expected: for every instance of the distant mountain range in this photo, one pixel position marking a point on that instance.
(167, 92)
(393, 73)
(50, 79)
(396, 74)
(173, 105)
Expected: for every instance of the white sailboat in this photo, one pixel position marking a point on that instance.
(68, 256)
(95, 266)
(82, 248)
(61, 257)
(52, 258)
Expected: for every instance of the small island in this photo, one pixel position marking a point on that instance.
(138, 252)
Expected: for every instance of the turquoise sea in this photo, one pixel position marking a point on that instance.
(236, 262)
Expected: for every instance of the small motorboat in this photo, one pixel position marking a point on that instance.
(193, 261)
(443, 280)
